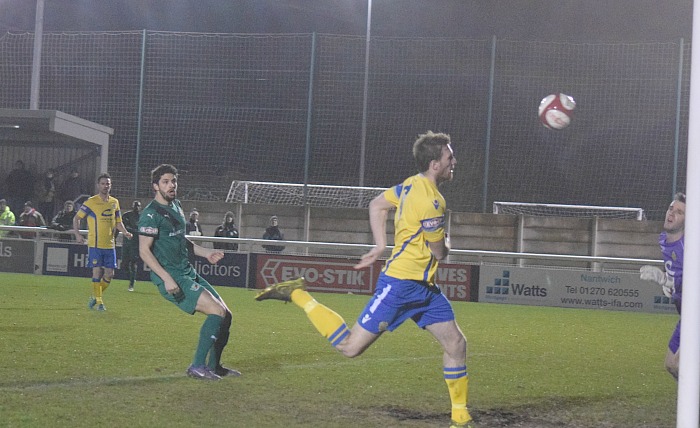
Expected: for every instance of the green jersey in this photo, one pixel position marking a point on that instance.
(166, 223)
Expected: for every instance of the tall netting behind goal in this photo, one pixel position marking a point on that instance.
(292, 108)
(561, 210)
(260, 192)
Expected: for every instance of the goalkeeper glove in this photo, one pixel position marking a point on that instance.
(652, 273)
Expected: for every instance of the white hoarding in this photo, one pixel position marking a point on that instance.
(571, 289)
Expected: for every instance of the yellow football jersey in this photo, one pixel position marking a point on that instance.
(102, 217)
(419, 219)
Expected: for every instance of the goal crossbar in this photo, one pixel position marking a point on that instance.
(565, 210)
(267, 192)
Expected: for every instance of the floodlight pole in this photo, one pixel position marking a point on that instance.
(689, 372)
(363, 138)
(36, 60)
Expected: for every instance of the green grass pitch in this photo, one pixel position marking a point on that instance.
(66, 366)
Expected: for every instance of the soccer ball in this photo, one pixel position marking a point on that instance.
(556, 110)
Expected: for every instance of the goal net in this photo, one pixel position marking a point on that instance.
(559, 210)
(262, 192)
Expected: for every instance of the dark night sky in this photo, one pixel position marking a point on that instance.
(546, 20)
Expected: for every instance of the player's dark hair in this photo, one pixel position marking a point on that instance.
(428, 148)
(103, 175)
(161, 170)
(680, 197)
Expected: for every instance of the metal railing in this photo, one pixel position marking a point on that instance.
(339, 249)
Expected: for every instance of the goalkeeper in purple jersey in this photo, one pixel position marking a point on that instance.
(670, 279)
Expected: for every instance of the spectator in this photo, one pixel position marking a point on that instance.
(30, 217)
(64, 220)
(72, 187)
(19, 187)
(46, 193)
(193, 227)
(226, 230)
(273, 233)
(7, 217)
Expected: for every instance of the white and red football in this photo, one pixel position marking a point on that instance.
(556, 110)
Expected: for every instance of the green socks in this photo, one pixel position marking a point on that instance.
(207, 336)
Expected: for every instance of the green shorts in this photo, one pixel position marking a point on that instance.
(191, 286)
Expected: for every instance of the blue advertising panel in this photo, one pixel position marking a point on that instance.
(71, 260)
(231, 271)
(16, 255)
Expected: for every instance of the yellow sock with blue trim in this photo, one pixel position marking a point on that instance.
(104, 284)
(97, 290)
(458, 386)
(331, 325)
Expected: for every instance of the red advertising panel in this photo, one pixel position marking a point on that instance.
(322, 274)
(456, 281)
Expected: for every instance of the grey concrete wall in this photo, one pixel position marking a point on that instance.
(472, 231)
(469, 231)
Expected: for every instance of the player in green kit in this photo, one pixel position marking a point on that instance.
(130, 247)
(164, 248)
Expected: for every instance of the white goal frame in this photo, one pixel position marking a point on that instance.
(563, 210)
(321, 195)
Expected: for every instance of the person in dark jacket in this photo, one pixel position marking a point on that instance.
(273, 232)
(19, 187)
(193, 227)
(73, 187)
(64, 220)
(227, 229)
(45, 193)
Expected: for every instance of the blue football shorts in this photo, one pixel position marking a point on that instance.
(102, 257)
(396, 300)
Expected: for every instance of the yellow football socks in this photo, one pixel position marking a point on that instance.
(104, 284)
(458, 386)
(325, 320)
(97, 290)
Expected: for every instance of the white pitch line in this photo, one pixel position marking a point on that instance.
(363, 361)
(85, 382)
(35, 386)
(347, 362)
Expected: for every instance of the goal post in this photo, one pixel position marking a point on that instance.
(265, 192)
(563, 210)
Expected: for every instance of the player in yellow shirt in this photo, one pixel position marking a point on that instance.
(102, 214)
(406, 287)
